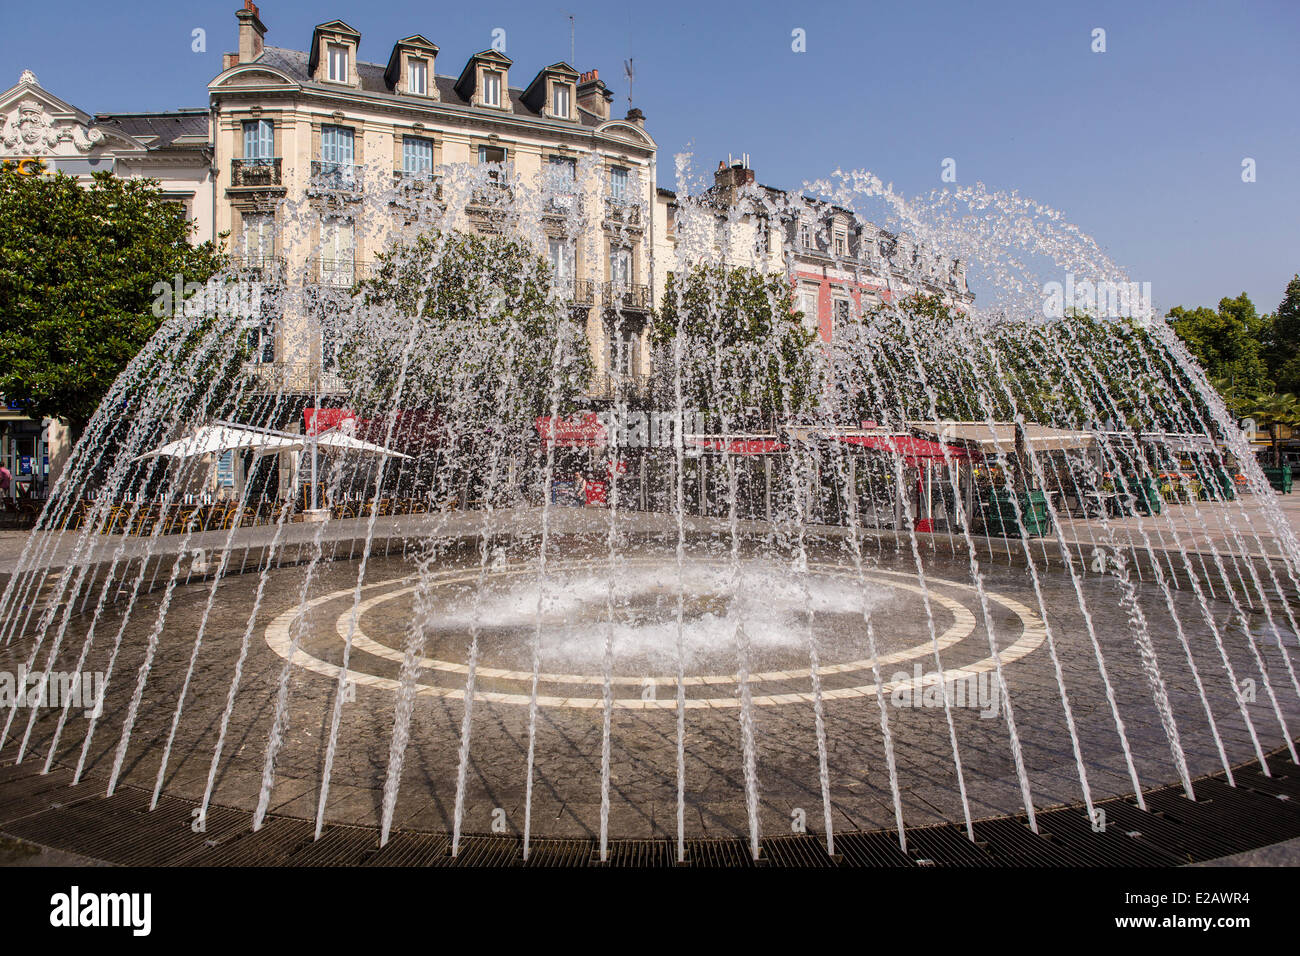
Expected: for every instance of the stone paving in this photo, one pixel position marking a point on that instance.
(568, 738)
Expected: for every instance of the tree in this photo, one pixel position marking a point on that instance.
(78, 267)
(1229, 344)
(1277, 409)
(1284, 340)
(474, 322)
(747, 359)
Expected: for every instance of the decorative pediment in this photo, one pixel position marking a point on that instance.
(252, 74)
(34, 122)
(622, 129)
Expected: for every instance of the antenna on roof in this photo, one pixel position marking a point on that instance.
(573, 57)
(631, 76)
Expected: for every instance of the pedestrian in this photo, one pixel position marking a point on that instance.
(6, 479)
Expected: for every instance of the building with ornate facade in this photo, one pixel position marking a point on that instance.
(317, 152)
(837, 262)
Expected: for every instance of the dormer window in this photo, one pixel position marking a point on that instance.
(417, 76)
(338, 63)
(805, 236)
(491, 88)
(563, 100)
(841, 245)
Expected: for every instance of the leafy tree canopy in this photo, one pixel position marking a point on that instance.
(77, 270)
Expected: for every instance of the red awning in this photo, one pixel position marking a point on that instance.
(913, 449)
(755, 446)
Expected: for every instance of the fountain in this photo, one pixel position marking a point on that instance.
(958, 565)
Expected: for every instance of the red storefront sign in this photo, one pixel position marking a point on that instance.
(582, 430)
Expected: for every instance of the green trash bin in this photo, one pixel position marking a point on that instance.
(1280, 479)
(1145, 494)
(1000, 517)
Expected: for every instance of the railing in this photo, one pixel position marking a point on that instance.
(336, 176)
(264, 267)
(576, 291)
(618, 385)
(255, 173)
(626, 296)
(560, 200)
(340, 272)
(626, 211)
(300, 377)
(492, 193)
(420, 180)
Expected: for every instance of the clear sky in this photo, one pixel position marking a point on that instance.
(1142, 145)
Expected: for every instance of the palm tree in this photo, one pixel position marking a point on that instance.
(1277, 410)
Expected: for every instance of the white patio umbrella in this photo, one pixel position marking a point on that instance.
(219, 438)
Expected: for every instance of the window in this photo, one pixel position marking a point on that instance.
(417, 76)
(338, 63)
(560, 180)
(841, 242)
(261, 341)
(564, 167)
(618, 180)
(491, 88)
(622, 352)
(842, 307)
(337, 252)
(259, 139)
(562, 101)
(620, 266)
(491, 154)
(259, 238)
(336, 143)
(562, 261)
(805, 236)
(808, 306)
(417, 156)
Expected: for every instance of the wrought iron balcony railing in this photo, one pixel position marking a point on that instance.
(626, 296)
(420, 180)
(264, 267)
(336, 176)
(618, 385)
(576, 291)
(255, 173)
(626, 211)
(492, 193)
(339, 272)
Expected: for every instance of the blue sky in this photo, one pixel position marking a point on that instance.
(1141, 146)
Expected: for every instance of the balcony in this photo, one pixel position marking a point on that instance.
(626, 297)
(419, 181)
(339, 273)
(625, 212)
(618, 385)
(263, 267)
(255, 173)
(336, 177)
(576, 292)
(495, 192)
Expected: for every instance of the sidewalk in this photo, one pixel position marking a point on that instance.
(1231, 528)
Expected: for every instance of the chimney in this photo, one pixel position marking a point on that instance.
(251, 32)
(734, 176)
(593, 95)
(636, 117)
